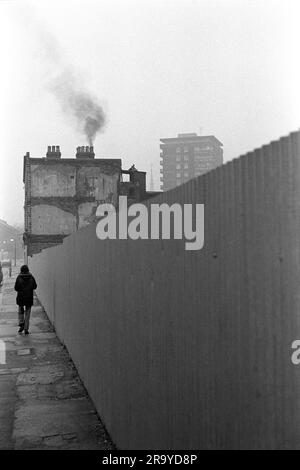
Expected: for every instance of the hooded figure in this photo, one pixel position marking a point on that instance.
(25, 285)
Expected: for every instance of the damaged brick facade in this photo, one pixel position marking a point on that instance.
(62, 194)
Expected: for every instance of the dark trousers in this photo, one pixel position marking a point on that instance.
(24, 317)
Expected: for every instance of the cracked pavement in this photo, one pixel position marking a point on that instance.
(43, 403)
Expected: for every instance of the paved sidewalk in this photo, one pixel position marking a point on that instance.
(43, 404)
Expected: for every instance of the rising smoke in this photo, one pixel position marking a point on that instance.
(78, 103)
(67, 84)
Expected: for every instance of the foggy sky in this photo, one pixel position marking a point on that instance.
(159, 68)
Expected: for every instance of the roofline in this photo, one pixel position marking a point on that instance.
(189, 139)
(4, 224)
(73, 160)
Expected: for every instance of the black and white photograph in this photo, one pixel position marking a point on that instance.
(149, 229)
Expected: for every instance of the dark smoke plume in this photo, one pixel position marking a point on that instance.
(67, 84)
(79, 104)
(64, 80)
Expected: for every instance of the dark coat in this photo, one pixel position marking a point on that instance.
(25, 284)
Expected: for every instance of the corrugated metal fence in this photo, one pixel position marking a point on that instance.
(192, 349)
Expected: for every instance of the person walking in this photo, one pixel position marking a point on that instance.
(25, 285)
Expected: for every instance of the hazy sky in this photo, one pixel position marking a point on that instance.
(158, 67)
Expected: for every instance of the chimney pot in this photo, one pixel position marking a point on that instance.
(53, 151)
(85, 152)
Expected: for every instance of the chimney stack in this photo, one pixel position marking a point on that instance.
(53, 152)
(85, 152)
